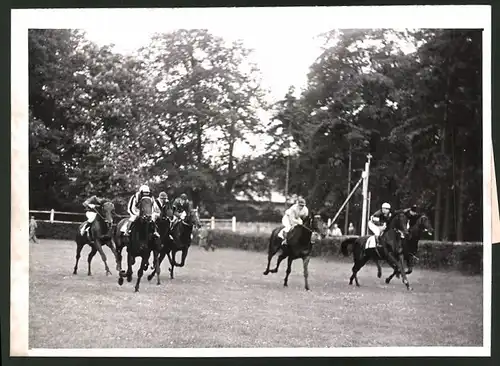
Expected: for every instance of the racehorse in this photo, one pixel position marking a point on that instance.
(100, 234)
(391, 250)
(178, 238)
(300, 242)
(140, 243)
(421, 226)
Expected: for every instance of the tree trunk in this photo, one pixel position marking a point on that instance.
(439, 193)
(461, 197)
(446, 219)
(230, 164)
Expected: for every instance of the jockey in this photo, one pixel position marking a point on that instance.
(90, 204)
(132, 208)
(412, 215)
(162, 206)
(293, 216)
(378, 221)
(181, 206)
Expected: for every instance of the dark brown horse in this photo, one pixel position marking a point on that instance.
(391, 250)
(176, 239)
(140, 243)
(300, 241)
(100, 234)
(421, 226)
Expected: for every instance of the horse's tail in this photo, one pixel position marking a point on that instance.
(345, 244)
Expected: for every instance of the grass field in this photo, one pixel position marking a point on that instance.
(221, 299)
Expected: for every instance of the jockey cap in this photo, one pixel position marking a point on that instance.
(144, 189)
(163, 195)
(386, 205)
(301, 201)
(184, 196)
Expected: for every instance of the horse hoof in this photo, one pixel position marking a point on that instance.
(265, 273)
(120, 281)
(307, 289)
(89, 274)
(149, 278)
(387, 281)
(74, 272)
(379, 275)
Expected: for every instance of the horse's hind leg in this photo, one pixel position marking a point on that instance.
(269, 258)
(355, 269)
(288, 270)
(98, 246)
(379, 269)
(305, 263)
(89, 259)
(79, 247)
(278, 262)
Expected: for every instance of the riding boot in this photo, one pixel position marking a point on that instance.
(129, 230)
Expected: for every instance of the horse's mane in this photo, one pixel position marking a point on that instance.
(393, 218)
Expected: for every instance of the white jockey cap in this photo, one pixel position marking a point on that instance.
(144, 188)
(386, 205)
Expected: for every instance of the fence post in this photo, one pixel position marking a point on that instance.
(233, 223)
(52, 212)
(212, 223)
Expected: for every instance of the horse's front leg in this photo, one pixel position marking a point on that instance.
(183, 256)
(399, 263)
(305, 263)
(171, 260)
(111, 244)
(140, 272)
(156, 260)
(288, 270)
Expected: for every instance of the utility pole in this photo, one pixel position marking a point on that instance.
(366, 174)
(288, 162)
(348, 189)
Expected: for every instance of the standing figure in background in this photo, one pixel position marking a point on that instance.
(351, 230)
(33, 227)
(336, 230)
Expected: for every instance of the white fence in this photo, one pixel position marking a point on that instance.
(221, 224)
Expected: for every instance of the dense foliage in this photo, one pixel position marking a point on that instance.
(177, 112)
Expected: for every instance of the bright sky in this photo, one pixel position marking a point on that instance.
(283, 55)
(282, 51)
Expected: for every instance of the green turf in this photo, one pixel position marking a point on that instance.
(221, 299)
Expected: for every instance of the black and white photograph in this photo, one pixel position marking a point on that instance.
(210, 182)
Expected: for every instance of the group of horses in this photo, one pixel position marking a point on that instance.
(398, 243)
(140, 243)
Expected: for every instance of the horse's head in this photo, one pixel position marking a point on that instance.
(314, 224)
(107, 212)
(424, 225)
(146, 208)
(399, 223)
